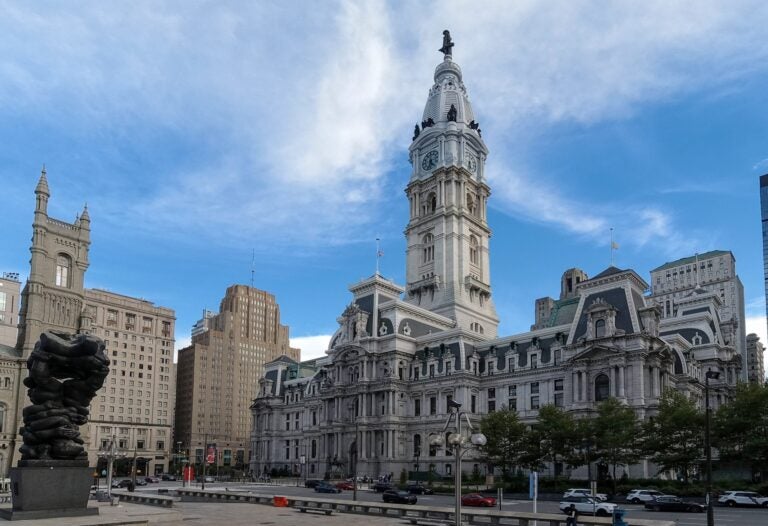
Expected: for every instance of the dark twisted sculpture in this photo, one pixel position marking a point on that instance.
(65, 372)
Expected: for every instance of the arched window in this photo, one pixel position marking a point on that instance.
(432, 203)
(416, 445)
(600, 329)
(63, 267)
(602, 388)
(470, 204)
(428, 244)
(473, 253)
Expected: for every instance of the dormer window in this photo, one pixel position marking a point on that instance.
(600, 328)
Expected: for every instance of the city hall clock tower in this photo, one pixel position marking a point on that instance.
(447, 255)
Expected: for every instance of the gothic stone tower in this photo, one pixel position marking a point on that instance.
(447, 255)
(53, 297)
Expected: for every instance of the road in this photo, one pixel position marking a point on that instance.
(723, 516)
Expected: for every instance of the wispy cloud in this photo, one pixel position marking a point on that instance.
(291, 122)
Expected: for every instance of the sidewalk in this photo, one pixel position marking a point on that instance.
(208, 514)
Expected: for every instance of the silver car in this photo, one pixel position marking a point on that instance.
(588, 505)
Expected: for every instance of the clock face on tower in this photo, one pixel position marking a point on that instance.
(430, 160)
(471, 163)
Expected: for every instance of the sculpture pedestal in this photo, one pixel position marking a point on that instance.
(43, 489)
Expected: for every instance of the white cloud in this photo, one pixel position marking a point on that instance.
(303, 109)
(312, 346)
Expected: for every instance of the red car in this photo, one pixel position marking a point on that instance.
(346, 485)
(475, 499)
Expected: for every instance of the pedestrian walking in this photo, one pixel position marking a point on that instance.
(572, 515)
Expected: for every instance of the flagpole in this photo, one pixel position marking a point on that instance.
(611, 246)
(378, 255)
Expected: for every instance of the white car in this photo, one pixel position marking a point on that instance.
(743, 498)
(639, 496)
(581, 492)
(588, 505)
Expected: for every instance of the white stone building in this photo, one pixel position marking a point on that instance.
(401, 353)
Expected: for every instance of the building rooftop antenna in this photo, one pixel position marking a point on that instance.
(253, 266)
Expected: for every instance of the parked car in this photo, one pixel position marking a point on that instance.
(151, 480)
(311, 483)
(349, 486)
(399, 497)
(475, 499)
(168, 476)
(582, 492)
(743, 498)
(673, 503)
(418, 489)
(125, 483)
(325, 487)
(588, 505)
(638, 496)
(381, 486)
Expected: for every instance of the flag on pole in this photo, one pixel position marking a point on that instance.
(614, 246)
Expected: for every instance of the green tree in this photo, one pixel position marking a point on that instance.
(505, 436)
(615, 430)
(674, 438)
(551, 439)
(741, 427)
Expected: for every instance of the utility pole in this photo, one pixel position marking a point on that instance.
(710, 512)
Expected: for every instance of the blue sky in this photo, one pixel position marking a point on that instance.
(198, 132)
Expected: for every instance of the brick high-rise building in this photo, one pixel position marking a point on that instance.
(135, 405)
(218, 374)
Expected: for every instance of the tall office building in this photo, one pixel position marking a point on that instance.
(714, 272)
(135, 405)
(755, 360)
(218, 374)
(10, 290)
(764, 217)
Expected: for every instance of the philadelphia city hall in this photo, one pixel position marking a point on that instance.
(401, 354)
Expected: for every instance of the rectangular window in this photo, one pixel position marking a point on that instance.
(535, 388)
(431, 370)
(473, 403)
(512, 390)
(112, 319)
(3, 300)
(559, 399)
(130, 321)
(146, 325)
(166, 329)
(491, 392)
(535, 402)
(447, 367)
(559, 384)
(534, 361)
(417, 408)
(491, 406)
(432, 405)
(512, 404)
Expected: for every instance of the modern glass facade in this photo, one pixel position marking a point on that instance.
(764, 217)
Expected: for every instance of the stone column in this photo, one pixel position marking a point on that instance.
(583, 386)
(621, 381)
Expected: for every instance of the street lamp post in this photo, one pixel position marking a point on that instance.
(110, 452)
(458, 443)
(714, 375)
(352, 412)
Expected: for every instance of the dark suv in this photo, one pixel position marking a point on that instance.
(418, 489)
(311, 483)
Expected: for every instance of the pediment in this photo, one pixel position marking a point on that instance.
(596, 352)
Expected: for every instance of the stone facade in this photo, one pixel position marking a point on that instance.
(136, 403)
(394, 364)
(713, 271)
(218, 373)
